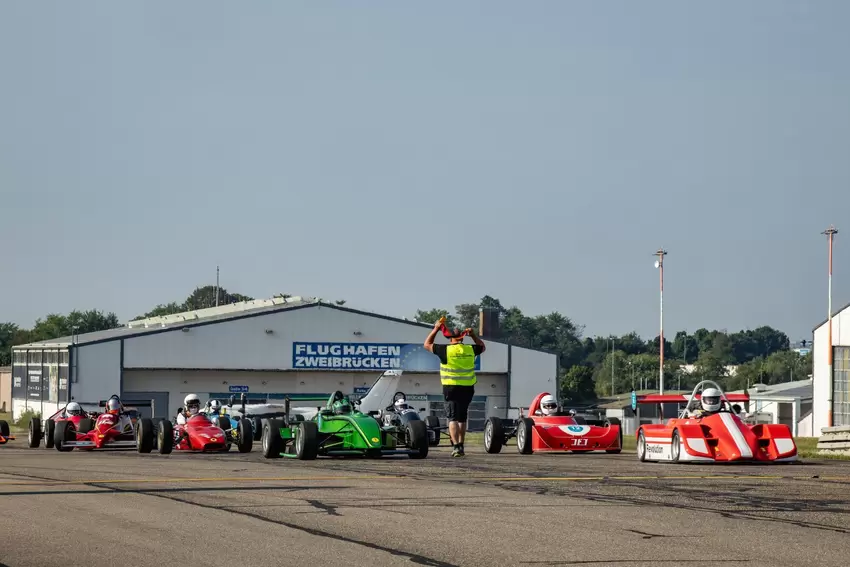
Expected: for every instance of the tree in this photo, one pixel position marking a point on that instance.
(576, 384)
(7, 338)
(205, 297)
(162, 310)
(467, 315)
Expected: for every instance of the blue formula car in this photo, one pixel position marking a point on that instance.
(220, 414)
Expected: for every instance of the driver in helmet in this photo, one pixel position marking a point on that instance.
(74, 409)
(710, 403)
(548, 405)
(116, 408)
(342, 406)
(400, 403)
(214, 407)
(191, 408)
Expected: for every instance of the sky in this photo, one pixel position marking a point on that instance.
(406, 156)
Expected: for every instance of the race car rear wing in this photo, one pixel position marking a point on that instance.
(683, 398)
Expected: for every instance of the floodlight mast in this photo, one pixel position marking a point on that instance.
(660, 265)
(830, 235)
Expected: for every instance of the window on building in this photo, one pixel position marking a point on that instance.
(19, 358)
(63, 358)
(34, 357)
(841, 386)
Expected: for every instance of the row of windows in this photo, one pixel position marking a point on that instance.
(841, 386)
(36, 357)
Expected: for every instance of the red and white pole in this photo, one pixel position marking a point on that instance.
(830, 233)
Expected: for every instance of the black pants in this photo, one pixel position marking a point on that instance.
(458, 399)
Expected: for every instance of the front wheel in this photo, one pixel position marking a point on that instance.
(417, 439)
(641, 446)
(144, 435)
(433, 423)
(165, 437)
(271, 441)
(307, 440)
(245, 436)
(524, 431)
(34, 438)
(494, 435)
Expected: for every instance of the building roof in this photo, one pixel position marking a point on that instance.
(834, 314)
(797, 389)
(194, 318)
(212, 315)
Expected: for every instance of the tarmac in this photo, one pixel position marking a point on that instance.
(123, 508)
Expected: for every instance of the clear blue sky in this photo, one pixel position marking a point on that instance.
(401, 156)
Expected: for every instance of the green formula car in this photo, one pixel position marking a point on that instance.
(339, 430)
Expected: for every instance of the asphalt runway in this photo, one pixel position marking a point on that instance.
(122, 508)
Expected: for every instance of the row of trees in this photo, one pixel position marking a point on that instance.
(591, 366)
(599, 366)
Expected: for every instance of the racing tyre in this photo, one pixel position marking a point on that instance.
(49, 431)
(433, 423)
(641, 446)
(494, 435)
(524, 429)
(224, 424)
(4, 428)
(144, 435)
(307, 440)
(417, 439)
(245, 436)
(64, 431)
(34, 438)
(86, 424)
(271, 440)
(610, 422)
(165, 437)
(675, 446)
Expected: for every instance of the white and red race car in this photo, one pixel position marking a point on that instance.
(716, 437)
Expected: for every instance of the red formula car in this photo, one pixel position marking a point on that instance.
(114, 429)
(200, 434)
(73, 411)
(559, 432)
(5, 432)
(713, 436)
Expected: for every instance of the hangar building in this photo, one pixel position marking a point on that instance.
(840, 388)
(297, 347)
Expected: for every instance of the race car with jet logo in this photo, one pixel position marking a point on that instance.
(547, 427)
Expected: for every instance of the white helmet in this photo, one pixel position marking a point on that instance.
(74, 408)
(548, 405)
(710, 399)
(214, 406)
(192, 403)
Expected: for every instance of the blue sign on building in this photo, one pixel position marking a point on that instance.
(634, 401)
(362, 390)
(370, 357)
(239, 389)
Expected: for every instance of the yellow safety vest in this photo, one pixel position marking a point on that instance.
(460, 370)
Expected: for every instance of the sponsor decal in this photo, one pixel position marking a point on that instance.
(575, 428)
(654, 449)
(375, 439)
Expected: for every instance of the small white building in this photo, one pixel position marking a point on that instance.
(836, 386)
(268, 349)
(788, 403)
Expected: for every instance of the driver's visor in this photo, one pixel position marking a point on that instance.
(711, 401)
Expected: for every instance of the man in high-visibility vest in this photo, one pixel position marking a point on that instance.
(457, 374)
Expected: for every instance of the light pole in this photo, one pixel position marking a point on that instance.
(660, 265)
(830, 235)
